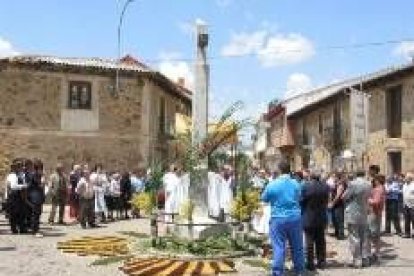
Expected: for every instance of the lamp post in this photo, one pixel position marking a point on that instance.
(121, 20)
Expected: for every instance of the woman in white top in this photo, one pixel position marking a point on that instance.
(115, 195)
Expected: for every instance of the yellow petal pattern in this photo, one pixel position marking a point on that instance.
(103, 246)
(171, 267)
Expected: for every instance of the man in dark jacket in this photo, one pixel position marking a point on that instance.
(315, 197)
(36, 197)
(126, 194)
(74, 178)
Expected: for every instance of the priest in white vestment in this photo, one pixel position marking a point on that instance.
(226, 190)
(182, 191)
(261, 219)
(171, 184)
(100, 185)
(213, 194)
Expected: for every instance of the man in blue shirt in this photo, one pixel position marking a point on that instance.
(283, 195)
(393, 188)
(137, 182)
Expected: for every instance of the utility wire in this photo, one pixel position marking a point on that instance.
(320, 49)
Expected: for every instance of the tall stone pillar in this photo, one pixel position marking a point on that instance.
(199, 185)
(200, 97)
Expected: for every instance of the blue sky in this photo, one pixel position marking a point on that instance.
(260, 48)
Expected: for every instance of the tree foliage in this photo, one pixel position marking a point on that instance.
(226, 127)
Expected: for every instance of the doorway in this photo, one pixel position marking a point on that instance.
(394, 162)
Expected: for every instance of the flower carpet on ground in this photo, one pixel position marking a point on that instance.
(102, 246)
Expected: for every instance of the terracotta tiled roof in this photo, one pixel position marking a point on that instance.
(127, 63)
(302, 101)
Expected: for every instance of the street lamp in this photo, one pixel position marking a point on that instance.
(121, 20)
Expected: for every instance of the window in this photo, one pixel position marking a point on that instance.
(306, 159)
(320, 124)
(161, 116)
(80, 95)
(394, 111)
(305, 135)
(337, 132)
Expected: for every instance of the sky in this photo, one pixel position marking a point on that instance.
(259, 50)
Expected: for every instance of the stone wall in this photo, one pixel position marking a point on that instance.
(379, 143)
(323, 152)
(116, 152)
(121, 131)
(123, 114)
(29, 100)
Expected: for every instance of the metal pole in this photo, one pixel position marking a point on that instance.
(121, 20)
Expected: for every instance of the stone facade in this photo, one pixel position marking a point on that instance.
(379, 142)
(279, 138)
(328, 124)
(321, 134)
(121, 130)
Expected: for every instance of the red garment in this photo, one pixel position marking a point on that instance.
(73, 210)
(377, 200)
(161, 197)
(73, 205)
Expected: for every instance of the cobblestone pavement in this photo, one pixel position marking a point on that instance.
(26, 255)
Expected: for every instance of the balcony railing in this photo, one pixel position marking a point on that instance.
(333, 137)
(283, 138)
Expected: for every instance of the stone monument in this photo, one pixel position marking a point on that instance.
(201, 226)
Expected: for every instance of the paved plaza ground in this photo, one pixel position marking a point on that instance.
(26, 255)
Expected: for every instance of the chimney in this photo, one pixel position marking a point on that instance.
(129, 60)
(181, 82)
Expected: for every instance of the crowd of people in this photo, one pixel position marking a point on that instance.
(304, 203)
(92, 195)
(300, 205)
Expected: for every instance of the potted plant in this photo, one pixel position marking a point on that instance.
(187, 210)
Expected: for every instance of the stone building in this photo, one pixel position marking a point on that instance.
(69, 110)
(280, 141)
(260, 141)
(371, 116)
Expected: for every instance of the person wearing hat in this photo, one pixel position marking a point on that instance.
(408, 197)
